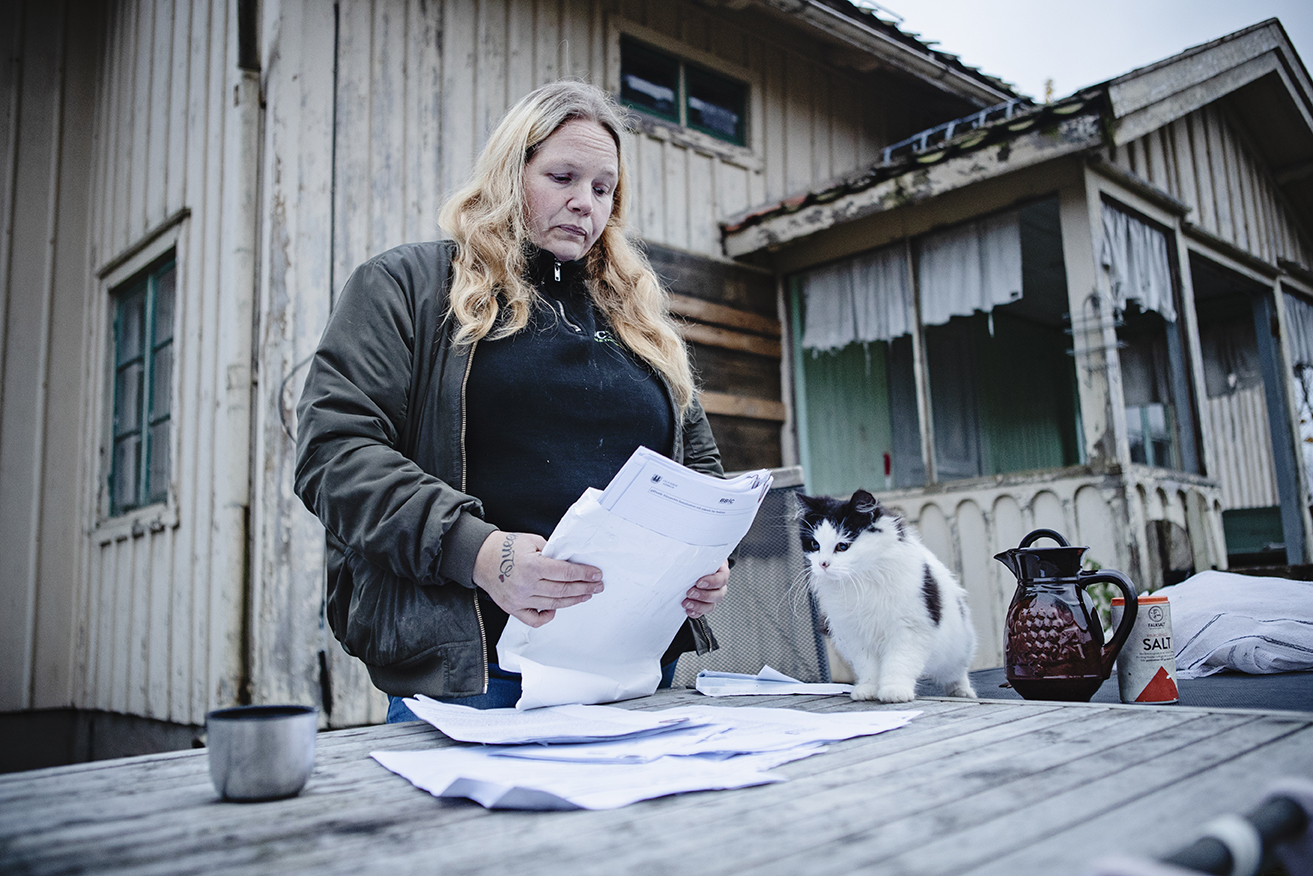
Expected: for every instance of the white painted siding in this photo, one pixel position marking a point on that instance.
(165, 587)
(1239, 424)
(50, 55)
(126, 130)
(1202, 161)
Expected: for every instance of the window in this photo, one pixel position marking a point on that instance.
(662, 85)
(999, 370)
(143, 371)
(1156, 388)
(1001, 376)
(856, 387)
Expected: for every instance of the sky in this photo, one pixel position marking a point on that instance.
(1078, 43)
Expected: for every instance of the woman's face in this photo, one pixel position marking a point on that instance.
(569, 184)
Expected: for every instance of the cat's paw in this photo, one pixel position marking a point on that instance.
(864, 692)
(896, 693)
(963, 689)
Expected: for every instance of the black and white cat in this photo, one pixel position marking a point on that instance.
(895, 612)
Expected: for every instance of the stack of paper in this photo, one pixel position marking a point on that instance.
(600, 757)
(656, 529)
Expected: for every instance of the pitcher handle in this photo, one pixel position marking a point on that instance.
(1132, 607)
(1042, 533)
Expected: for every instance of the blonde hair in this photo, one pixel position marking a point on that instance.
(488, 220)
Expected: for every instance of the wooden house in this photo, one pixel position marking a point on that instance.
(187, 183)
(1093, 316)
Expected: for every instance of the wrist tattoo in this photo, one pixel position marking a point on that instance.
(507, 556)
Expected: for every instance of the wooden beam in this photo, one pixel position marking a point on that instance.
(712, 336)
(742, 406)
(719, 314)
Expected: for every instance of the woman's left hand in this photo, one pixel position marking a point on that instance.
(703, 596)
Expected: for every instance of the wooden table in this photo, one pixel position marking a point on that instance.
(968, 787)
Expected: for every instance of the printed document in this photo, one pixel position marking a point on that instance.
(656, 529)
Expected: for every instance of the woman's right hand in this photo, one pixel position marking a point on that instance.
(512, 570)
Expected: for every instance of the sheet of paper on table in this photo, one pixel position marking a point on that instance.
(552, 725)
(702, 748)
(656, 529)
(506, 783)
(767, 682)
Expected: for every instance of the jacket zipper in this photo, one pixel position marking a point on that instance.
(560, 305)
(474, 592)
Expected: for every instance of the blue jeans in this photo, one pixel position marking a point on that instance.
(503, 693)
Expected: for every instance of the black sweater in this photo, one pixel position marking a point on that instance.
(555, 408)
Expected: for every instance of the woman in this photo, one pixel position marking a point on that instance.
(466, 392)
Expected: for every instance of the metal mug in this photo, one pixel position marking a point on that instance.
(261, 752)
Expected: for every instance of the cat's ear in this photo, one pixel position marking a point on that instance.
(810, 504)
(863, 502)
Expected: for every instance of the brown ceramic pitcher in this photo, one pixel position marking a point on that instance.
(1054, 646)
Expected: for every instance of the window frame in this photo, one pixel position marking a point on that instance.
(147, 354)
(151, 253)
(745, 154)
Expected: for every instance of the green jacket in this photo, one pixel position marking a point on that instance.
(381, 463)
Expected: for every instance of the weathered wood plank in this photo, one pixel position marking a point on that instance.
(742, 406)
(728, 317)
(26, 294)
(730, 340)
(137, 148)
(159, 126)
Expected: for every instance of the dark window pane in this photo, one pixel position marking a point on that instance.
(161, 383)
(127, 459)
(715, 104)
(158, 454)
(649, 80)
(165, 282)
(130, 325)
(127, 399)
(1146, 370)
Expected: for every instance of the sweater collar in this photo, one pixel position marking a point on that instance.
(545, 270)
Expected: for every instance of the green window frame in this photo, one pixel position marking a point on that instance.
(143, 387)
(668, 87)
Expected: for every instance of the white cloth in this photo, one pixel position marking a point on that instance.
(1135, 257)
(1299, 325)
(971, 267)
(1221, 620)
(859, 300)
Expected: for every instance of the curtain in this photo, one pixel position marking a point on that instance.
(1299, 322)
(1135, 257)
(972, 267)
(863, 299)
